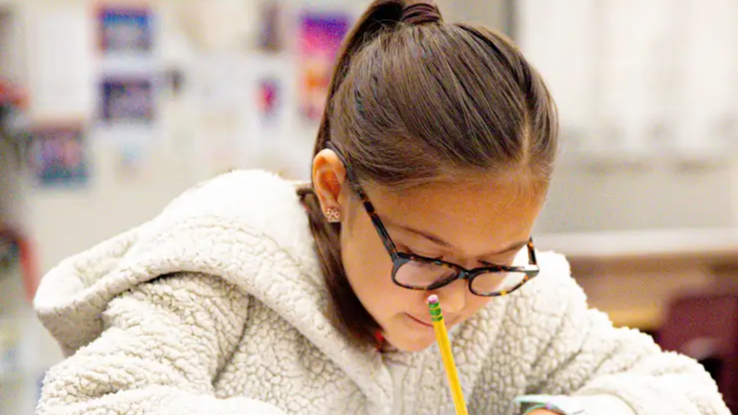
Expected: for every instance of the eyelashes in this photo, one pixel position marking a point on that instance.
(409, 251)
(505, 261)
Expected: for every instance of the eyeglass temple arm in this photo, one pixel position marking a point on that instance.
(532, 251)
(354, 183)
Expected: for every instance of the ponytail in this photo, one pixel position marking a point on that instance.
(381, 15)
(349, 315)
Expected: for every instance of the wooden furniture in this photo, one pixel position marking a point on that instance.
(634, 275)
(704, 327)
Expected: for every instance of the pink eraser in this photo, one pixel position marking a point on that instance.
(433, 299)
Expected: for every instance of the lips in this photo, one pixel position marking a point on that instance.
(424, 322)
(449, 322)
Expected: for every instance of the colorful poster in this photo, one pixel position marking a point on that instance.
(59, 39)
(319, 39)
(127, 99)
(59, 155)
(125, 29)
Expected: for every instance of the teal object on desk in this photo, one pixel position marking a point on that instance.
(563, 405)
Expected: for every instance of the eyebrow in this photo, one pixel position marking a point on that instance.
(515, 246)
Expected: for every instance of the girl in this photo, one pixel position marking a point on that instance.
(250, 296)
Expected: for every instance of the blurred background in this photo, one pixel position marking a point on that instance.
(109, 109)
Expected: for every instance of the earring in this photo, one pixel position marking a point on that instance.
(333, 215)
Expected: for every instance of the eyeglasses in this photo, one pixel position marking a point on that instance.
(416, 272)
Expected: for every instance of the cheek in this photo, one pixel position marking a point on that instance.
(474, 304)
(363, 254)
(368, 265)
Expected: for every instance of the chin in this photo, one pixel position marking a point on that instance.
(416, 347)
(407, 344)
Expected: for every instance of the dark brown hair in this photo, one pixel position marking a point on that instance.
(413, 100)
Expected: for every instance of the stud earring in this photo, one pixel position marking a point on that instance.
(333, 215)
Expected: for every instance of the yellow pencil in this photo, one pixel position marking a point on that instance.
(437, 319)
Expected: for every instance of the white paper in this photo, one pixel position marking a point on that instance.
(61, 62)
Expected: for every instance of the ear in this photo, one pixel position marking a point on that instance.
(329, 176)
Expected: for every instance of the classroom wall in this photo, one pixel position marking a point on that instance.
(497, 14)
(14, 66)
(583, 198)
(734, 189)
(11, 210)
(63, 67)
(666, 194)
(63, 220)
(647, 99)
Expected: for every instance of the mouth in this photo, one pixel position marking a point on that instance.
(421, 322)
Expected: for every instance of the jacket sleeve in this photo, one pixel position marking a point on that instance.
(162, 348)
(610, 370)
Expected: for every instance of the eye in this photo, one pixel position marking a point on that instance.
(410, 252)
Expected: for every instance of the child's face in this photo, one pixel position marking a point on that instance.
(477, 220)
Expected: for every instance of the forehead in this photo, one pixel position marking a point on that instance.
(468, 214)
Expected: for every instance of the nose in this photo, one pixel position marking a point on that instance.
(453, 297)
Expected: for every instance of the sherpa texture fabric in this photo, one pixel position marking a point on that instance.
(217, 306)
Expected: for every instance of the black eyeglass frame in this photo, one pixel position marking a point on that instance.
(400, 258)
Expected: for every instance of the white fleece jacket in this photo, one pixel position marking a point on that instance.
(217, 306)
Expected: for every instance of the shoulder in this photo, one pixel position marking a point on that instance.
(254, 201)
(541, 304)
(553, 287)
(537, 307)
(241, 193)
(551, 304)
